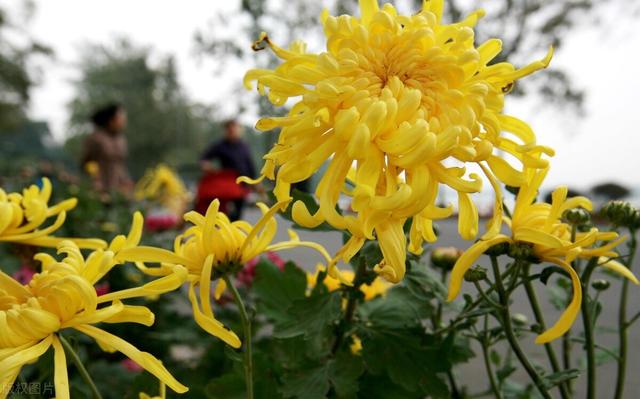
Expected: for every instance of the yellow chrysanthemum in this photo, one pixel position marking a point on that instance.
(378, 287)
(214, 247)
(540, 226)
(163, 185)
(395, 96)
(23, 215)
(63, 296)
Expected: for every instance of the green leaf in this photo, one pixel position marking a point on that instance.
(381, 387)
(340, 374)
(229, 386)
(344, 372)
(276, 289)
(558, 378)
(494, 356)
(310, 316)
(307, 384)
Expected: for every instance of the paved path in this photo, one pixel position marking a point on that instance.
(473, 373)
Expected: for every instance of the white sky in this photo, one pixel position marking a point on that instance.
(602, 145)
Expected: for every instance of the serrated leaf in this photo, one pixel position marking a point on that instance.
(276, 289)
(345, 370)
(309, 316)
(307, 384)
(340, 374)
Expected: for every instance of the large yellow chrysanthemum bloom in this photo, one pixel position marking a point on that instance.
(214, 247)
(162, 184)
(63, 296)
(539, 225)
(22, 216)
(394, 96)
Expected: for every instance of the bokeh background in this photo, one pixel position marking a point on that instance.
(177, 67)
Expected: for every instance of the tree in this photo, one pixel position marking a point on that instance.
(164, 126)
(17, 72)
(526, 27)
(610, 191)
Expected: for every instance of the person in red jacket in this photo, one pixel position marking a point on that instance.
(222, 162)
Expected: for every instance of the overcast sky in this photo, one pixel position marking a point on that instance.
(602, 145)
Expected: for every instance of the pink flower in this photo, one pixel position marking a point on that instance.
(248, 272)
(276, 260)
(161, 222)
(130, 365)
(103, 288)
(24, 274)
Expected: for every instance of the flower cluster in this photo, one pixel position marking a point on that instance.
(63, 296)
(389, 101)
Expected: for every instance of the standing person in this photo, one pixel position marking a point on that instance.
(105, 150)
(234, 158)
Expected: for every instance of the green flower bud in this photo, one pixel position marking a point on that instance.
(519, 319)
(498, 249)
(523, 251)
(576, 216)
(445, 257)
(476, 273)
(621, 213)
(600, 284)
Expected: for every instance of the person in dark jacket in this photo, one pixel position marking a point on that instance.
(233, 158)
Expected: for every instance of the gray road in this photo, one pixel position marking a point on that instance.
(473, 374)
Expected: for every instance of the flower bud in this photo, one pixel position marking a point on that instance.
(498, 249)
(519, 319)
(474, 274)
(621, 213)
(576, 216)
(600, 284)
(445, 257)
(523, 251)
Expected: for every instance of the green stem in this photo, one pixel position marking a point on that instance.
(463, 316)
(511, 337)
(587, 321)
(485, 297)
(484, 342)
(566, 356)
(622, 322)
(246, 327)
(537, 312)
(436, 320)
(350, 309)
(81, 369)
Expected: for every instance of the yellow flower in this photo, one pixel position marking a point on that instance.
(162, 395)
(378, 287)
(92, 168)
(539, 226)
(394, 96)
(162, 184)
(356, 345)
(22, 218)
(63, 296)
(214, 247)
